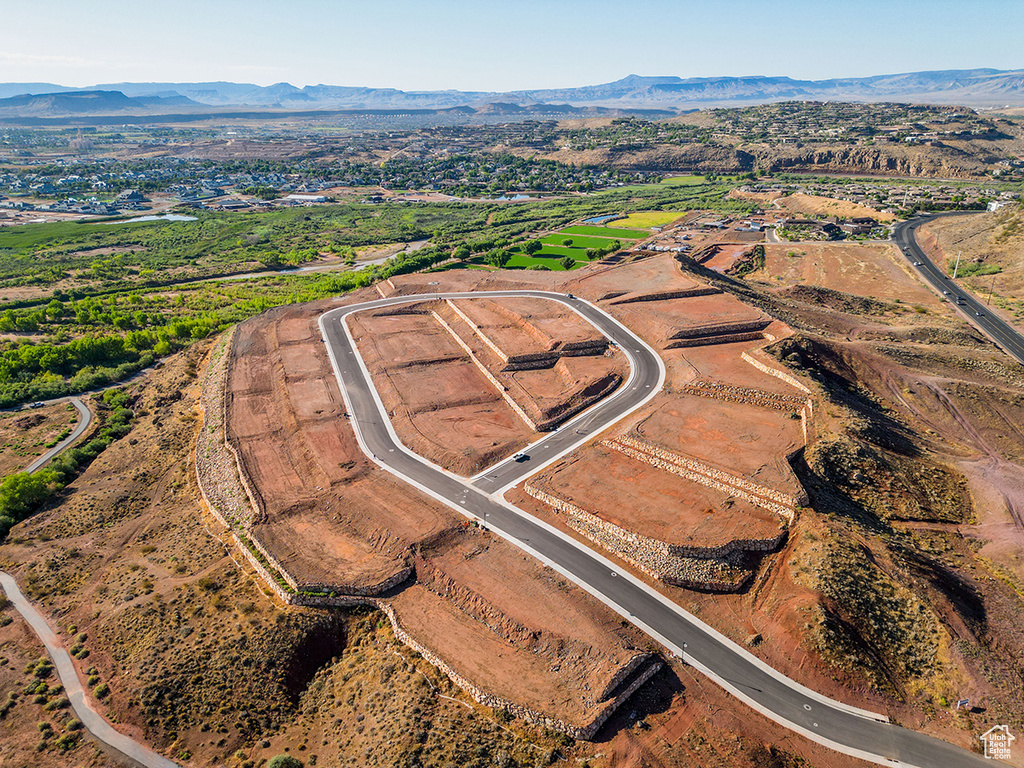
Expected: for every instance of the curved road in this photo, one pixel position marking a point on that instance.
(1008, 338)
(84, 420)
(836, 725)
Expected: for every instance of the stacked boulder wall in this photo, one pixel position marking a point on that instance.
(720, 569)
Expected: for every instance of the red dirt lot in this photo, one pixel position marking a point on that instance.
(520, 326)
(660, 505)
(313, 482)
(631, 279)
(725, 363)
(743, 439)
(728, 254)
(663, 319)
(554, 391)
(487, 624)
(441, 404)
(864, 269)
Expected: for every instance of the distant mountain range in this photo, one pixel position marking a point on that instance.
(974, 87)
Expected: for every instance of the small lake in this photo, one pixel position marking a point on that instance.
(164, 217)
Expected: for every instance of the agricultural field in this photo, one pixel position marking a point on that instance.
(646, 219)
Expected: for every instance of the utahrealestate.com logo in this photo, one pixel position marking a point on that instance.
(997, 740)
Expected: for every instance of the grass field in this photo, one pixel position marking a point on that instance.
(683, 181)
(615, 234)
(578, 241)
(646, 219)
(522, 261)
(557, 252)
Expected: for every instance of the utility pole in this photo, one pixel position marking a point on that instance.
(957, 267)
(991, 290)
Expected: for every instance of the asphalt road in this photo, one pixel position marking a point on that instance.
(976, 311)
(93, 721)
(84, 420)
(825, 721)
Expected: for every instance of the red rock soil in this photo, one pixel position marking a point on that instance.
(442, 405)
(331, 517)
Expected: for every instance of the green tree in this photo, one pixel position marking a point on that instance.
(532, 247)
(567, 242)
(567, 262)
(284, 761)
(498, 257)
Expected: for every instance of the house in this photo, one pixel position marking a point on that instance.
(130, 196)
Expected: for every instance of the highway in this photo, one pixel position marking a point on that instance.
(836, 725)
(1001, 333)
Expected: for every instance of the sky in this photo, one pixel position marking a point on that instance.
(496, 45)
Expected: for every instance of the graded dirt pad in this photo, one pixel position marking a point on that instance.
(652, 502)
(637, 278)
(442, 405)
(558, 660)
(875, 270)
(662, 320)
(547, 383)
(526, 326)
(324, 516)
(547, 392)
(725, 363)
(745, 440)
(727, 256)
(25, 434)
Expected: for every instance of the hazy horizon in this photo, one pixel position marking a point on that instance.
(495, 45)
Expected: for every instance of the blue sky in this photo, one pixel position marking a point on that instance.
(494, 44)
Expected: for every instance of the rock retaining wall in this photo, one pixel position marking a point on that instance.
(664, 295)
(717, 329)
(693, 567)
(725, 338)
(778, 374)
(216, 470)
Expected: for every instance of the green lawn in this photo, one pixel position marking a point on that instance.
(522, 261)
(578, 241)
(615, 234)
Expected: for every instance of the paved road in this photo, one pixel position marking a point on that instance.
(93, 721)
(84, 420)
(825, 721)
(1006, 336)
